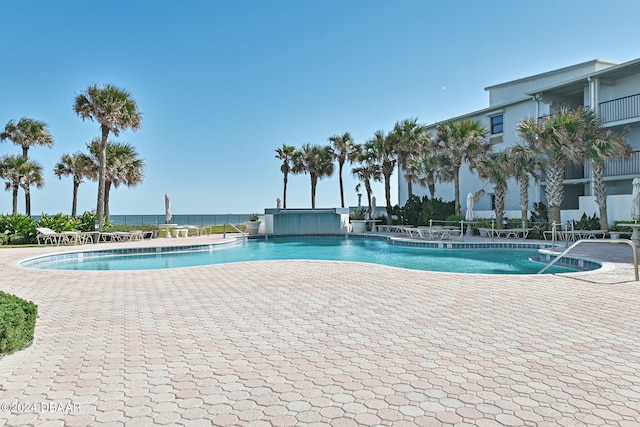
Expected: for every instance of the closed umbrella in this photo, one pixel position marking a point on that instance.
(469, 216)
(635, 206)
(167, 208)
(373, 208)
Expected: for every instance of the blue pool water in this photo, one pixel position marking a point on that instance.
(490, 261)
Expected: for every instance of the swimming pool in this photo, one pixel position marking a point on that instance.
(490, 261)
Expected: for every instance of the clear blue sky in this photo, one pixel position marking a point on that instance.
(222, 84)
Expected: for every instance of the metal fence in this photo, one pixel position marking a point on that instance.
(197, 220)
(620, 109)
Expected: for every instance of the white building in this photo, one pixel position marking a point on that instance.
(611, 88)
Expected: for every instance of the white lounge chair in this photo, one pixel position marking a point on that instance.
(47, 236)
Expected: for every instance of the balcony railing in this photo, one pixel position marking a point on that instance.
(573, 171)
(620, 109)
(613, 168)
(616, 110)
(621, 167)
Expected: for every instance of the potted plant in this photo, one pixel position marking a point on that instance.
(253, 225)
(358, 222)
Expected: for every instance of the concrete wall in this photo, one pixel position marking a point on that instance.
(306, 221)
(513, 90)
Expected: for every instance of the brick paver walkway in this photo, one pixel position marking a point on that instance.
(322, 343)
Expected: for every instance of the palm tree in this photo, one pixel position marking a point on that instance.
(557, 139)
(77, 165)
(124, 166)
(410, 138)
(380, 149)
(285, 153)
(27, 133)
(429, 169)
(316, 161)
(31, 176)
(600, 145)
(116, 111)
(19, 172)
(366, 172)
(495, 167)
(460, 141)
(345, 149)
(524, 164)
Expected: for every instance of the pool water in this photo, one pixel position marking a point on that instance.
(489, 261)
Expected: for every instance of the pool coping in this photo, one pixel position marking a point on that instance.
(581, 263)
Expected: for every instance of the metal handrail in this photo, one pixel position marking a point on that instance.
(224, 230)
(629, 242)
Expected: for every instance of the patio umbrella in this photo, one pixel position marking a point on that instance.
(373, 208)
(469, 216)
(635, 206)
(167, 208)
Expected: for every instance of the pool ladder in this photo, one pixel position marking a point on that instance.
(224, 231)
(628, 242)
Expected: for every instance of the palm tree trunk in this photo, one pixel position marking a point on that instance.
(74, 203)
(314, 181)
(456, 181)
(499, 191)
(524, 199)
(107, 190)
(410, 188)
(387, 195)
(15, 198)
(102, 176)
(554, 190)
(341, 184)
(367, 186)
(284, 195)
(27, 200)
(600, 192)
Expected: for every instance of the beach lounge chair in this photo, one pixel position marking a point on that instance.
(136, 235)
(47, 236)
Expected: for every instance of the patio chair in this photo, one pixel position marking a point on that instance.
(47, 236)
(136, 235)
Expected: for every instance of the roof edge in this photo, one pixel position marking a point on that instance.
(557, 70)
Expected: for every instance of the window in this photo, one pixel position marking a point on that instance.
(496, 124)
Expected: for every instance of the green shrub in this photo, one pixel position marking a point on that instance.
(587, 223)
(18, 228)
(17, 323)
(455, 219)
(617, 227)
(128, 227)
(87, 221)
(358, 214)
(418, 211)
(540, 213)
(59, 222)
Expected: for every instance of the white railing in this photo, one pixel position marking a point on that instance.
(625, 241)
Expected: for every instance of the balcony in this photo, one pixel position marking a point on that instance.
(625, 169)
(623, 110)
(620, 167)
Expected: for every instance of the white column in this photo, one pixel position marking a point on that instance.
(594, 95)
(594, 101)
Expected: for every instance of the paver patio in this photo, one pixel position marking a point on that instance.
(323, 343)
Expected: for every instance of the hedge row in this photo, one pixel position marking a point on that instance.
(17, 323)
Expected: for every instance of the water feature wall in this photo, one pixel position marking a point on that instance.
(306, 221)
